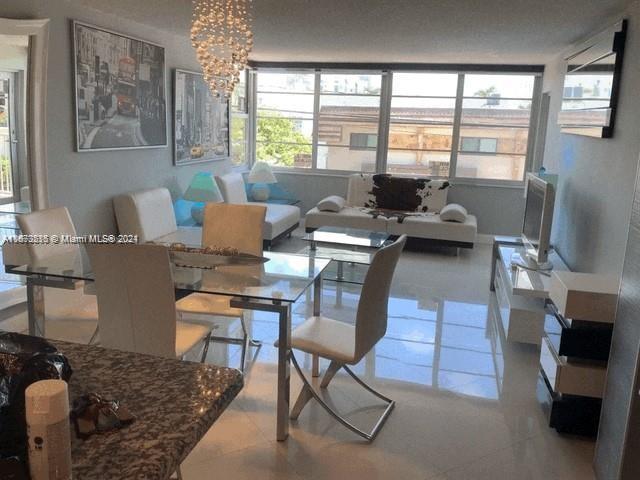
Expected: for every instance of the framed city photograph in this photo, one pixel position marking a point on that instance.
(120, 91)
(200, 121)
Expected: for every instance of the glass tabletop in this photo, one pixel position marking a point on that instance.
(348, 236)
(285, 277)
(17, 208)
(339, 254)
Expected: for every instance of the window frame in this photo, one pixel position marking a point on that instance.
(384, 120)
(247, 116)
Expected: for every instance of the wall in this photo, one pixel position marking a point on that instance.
(86, 182)
(499, 209)
(593, 202)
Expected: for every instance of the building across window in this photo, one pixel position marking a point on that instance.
(478, 145)
(451, 125)
(363, 141)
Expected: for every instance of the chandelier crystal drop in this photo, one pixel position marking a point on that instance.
(221, 34)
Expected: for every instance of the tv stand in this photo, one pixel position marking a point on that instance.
(521, 292)
(526, 262)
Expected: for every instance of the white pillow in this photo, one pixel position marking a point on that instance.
(453, 213)
(333, 203)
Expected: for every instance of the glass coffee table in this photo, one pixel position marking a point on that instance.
(351, 246)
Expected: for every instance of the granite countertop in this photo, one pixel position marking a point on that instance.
(174, 403)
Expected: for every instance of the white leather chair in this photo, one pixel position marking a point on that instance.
(346, 344)
(149, 215)
(227, 225)
(57, 221)
(52, 221)
(280, 220)
(136, 302)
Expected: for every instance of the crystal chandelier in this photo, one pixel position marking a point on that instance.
(221, 34)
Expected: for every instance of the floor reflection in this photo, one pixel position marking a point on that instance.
(430, 342)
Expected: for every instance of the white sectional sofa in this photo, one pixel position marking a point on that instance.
(281, 220)
(149, 214)
(426, 227)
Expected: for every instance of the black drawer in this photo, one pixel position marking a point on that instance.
(588, 340)
(569, 414)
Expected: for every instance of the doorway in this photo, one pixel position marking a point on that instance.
(11, 135)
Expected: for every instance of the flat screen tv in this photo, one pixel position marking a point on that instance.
(536, 227)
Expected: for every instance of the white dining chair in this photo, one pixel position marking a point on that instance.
(228, 225)
(136, 302)
(57, 221)
(52, 221)
(345, 344)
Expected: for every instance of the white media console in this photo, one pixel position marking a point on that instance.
(521, 293)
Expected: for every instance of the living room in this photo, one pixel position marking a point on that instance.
(499, 140)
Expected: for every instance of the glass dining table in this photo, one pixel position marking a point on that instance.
(273, 287)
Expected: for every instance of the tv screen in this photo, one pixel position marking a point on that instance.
(533, 213)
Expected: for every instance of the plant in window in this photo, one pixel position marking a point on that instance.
(278, 139)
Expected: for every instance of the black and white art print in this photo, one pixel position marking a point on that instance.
(120, 91)
(201, 121)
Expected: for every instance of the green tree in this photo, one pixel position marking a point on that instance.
(279, 142)
(486, 92)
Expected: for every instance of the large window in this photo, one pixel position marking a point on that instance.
(450, 125)
(421, 123)
(496, 110)
(349, 110)
(284, 119)
(240, 124)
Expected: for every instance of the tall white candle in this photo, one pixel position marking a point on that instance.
(47, 411)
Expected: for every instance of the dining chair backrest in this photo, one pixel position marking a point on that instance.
(52, 221)
(147, 213)
(371, 318)
(136, 298)
(237, 226)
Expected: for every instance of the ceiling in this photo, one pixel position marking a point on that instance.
(465, 31)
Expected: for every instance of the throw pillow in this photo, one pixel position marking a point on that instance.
(454, 213)
(408, 194)
(332, 203)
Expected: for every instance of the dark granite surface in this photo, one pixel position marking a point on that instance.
(174, 403)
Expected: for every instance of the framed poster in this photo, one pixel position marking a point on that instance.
(120, 91)
(200, 121)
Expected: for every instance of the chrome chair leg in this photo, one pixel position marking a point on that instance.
(330, 373)
(369, 436)
(94, 336)
(303, 398)
(205, 348)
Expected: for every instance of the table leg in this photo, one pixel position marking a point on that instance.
(340, 274)
(284, 372)
(317, 304)
(494, 257)
(35, 305)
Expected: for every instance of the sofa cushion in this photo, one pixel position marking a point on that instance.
(348, 217)
(146, 213)
(454, 213)
(232, 188)
(279, 219)
(432, 227)
(332, 203)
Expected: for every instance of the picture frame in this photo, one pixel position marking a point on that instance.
(119, 90)
(201, 121)
(592, 84)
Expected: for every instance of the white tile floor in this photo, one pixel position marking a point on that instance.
(466, 406)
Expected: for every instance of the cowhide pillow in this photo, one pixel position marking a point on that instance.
(407, 194)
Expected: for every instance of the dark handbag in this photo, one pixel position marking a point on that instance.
(23, 361)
